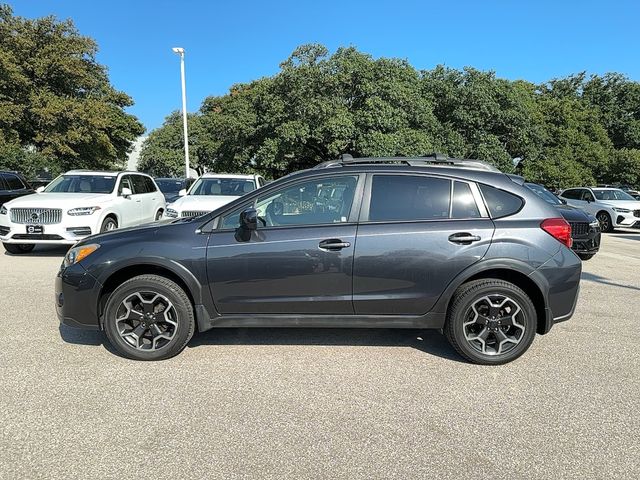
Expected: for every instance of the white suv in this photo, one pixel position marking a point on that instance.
(78, 204)
(212, 191)
(611, 206)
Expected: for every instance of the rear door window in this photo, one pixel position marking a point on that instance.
(409, 198)
(149, 184)
(139, 185)
(13, 182)
(573, 194)
(499, 202)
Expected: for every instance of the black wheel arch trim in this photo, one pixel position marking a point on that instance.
(198, 292)
(545, 317)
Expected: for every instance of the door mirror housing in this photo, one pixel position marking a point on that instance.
(249, 219)
(248, 224)
(39, 189)
(126, 192)
(182, 192)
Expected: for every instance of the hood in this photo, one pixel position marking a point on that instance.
(572, 214)
(628, 204)
(205, 203)
(60, 200)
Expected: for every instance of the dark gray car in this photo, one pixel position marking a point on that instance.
(397, 243)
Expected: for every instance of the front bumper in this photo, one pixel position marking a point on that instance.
(76, 297)
(71, 230)
(589, 243)
(625, 220)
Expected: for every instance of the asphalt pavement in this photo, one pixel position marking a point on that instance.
(298, 404)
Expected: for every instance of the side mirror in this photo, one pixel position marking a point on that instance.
(182, 192)
(248, 224)
(39, 189)
(564, 202)
(126, 192)
(249, 219)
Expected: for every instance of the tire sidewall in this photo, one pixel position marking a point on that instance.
(609, 227)
(105, 222)
(186, 321)
(457, 317)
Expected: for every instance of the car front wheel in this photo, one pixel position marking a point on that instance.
(491, 321)
(108, 224)
(149, 317)
(605, 222)
(18, 248)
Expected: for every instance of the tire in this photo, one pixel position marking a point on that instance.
(158, 215)
(136, 337)
(108, 224)
(606, 225)
(18, 248)
(586, 256)
(492, 342)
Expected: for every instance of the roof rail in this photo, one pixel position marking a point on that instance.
(432, 159)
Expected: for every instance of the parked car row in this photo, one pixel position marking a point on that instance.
(80, 203)
(613, 207)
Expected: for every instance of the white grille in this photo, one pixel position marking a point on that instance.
(38, 216)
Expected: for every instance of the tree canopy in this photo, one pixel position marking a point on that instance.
(57, 106)
(579, 129)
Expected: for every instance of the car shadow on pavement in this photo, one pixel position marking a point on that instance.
(428, 341)
(78, 336)
(591, 277)
(44, 251)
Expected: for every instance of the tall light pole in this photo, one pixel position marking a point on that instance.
(180, 51)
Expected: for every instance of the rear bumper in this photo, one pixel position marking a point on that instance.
(562, 276)
(76, 298)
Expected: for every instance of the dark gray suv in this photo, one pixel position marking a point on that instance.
(426, 242)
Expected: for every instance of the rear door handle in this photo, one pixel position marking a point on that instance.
(463, 238)
(333, 244)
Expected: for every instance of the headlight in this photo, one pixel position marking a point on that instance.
(595, 224)
(622, 210)
(3, 210)
(83, 211)
(171, 213)
(75, 254)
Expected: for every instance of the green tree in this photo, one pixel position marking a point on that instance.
(56, 99)
(573, 130)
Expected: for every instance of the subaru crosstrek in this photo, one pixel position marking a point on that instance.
(426, 242)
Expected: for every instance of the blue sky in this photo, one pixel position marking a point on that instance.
(234, 41)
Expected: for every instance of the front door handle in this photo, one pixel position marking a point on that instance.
(463, 238)
(333, 244)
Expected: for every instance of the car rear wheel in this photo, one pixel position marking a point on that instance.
(108, 224)
(149, 317)
(605, 222)
(491, 321)
(18, 248)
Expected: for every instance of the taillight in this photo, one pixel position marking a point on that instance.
(559, 229)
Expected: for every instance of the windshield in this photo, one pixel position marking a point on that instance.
(543, 193)
(222, 186)
(82, 184)
(612, 194)
(170, 185)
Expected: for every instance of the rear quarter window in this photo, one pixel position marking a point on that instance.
(499, 202)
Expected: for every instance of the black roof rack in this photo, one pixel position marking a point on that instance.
(433, 159)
